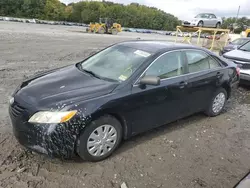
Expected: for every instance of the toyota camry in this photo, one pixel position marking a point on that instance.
(88, 108)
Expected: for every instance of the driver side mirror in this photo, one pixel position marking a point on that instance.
(150, 80)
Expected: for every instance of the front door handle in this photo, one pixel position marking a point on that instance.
(219, 75)
(182, 84)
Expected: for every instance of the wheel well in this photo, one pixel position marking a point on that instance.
(200, 22)
(123, 124)
(227, 88)
(116, 116)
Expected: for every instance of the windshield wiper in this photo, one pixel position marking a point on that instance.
(91, 73)
(244, 50)
(94, 74)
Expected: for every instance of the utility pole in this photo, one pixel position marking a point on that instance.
(238, 13)
(235, 23)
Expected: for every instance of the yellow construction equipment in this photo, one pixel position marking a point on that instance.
(105, 26)
(247, 32)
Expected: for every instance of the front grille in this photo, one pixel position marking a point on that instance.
(16, 110)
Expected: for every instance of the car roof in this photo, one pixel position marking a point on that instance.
(156, 46)
(205, 13)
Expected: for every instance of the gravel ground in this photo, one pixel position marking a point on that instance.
(194, 152)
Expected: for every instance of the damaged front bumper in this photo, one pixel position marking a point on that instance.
(54, 140)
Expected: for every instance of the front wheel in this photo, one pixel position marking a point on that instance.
(114, 31)
(100, 139)
(217, 103)
(200, 24)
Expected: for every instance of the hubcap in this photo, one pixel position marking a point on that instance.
(102, 140)
(219, 102)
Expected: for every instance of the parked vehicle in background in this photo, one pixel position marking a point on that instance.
(31, 21)
(126, 29)
(194, 34)
(168, 32)
(241, 56)
(180, 34)
(204, 20)
(186, 34)
(122, 91)
(203, 35)
(234, 45)
(217, 37)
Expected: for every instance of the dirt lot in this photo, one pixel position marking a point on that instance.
(191, 153)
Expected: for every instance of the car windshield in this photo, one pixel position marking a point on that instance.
(116, 63)
(201, 16)
(245, 47)
(239, 41)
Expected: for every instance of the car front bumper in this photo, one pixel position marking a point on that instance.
(188, 23)
(54, 140)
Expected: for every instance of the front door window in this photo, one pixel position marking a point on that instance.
(167, 66)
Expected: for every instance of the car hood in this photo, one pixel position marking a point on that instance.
(230, 47)
(238, 55)
(62, 87)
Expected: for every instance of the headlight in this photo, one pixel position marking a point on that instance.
(52, 117)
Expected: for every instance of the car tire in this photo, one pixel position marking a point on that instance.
(114, 31)
(217, 103)
(101, 30)
(200, 24)
(86, 145)
(218, 25)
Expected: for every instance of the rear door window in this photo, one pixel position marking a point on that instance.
(200, 61)
(212, 16)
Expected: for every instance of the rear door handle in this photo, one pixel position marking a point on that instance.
(182, 84)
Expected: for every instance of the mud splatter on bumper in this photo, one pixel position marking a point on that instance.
(54, 140)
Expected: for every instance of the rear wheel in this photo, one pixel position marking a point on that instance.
(218, 25)
(100, 139)
(217, 103)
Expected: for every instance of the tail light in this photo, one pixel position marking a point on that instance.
(238, 70)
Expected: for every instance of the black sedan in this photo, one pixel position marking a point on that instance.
(121, 91)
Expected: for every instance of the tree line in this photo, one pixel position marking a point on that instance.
(236, 24)
(133, 15)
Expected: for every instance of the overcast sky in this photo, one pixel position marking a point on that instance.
(188, 8)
